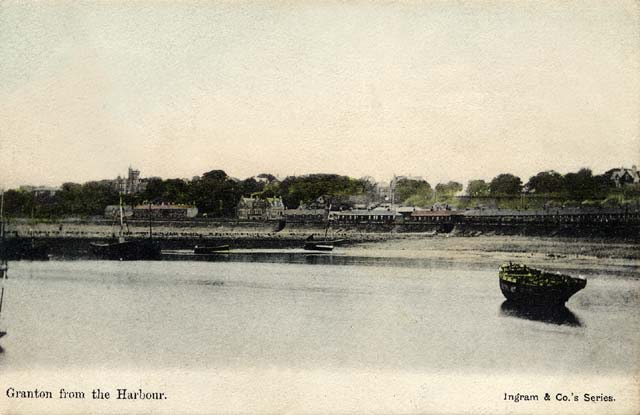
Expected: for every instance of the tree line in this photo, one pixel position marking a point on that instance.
(216, 194)
(547, 188)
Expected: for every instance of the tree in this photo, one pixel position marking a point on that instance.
(216, 194)
(215, 175)
(546, 182)
(448, 189)
(268, 177)
(505, 185)
(250, 186)
(306, 189)
(407, 188)
(478, 188)
(584, 185)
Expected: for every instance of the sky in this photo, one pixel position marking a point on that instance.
(447, 90)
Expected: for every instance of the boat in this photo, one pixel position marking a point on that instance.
(312, 244)
(20, 248)
(318, 246)
(131, 250)
(529, 286)
(210, 249)
(128, 250)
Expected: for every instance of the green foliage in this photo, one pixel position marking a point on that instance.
(583, 185)
(73, 200)
(546, 182)
(505, 185)
(306, 189)
(419, 190)
(18, 203)
(632, 191)
(217, 195)
(477, 188)
(419, 200)
(448, 189)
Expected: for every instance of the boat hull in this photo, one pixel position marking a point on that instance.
(210, 249)
(531, 295)
(17, 249)
(318, 247)
(134, 250)
(528, 286)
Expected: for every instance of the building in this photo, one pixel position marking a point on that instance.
(625, 176)
(253, 208)
(164, 211)
(113, 211)
(275, 208)
(305, 215)
(131, 184)
(364, 216)
(435, 216)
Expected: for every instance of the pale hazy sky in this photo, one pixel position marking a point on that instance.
(449, 90)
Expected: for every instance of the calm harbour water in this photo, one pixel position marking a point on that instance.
(195, 315)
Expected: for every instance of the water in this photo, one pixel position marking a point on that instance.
(226, 315)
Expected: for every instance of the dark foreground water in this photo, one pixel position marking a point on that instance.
(225, 315)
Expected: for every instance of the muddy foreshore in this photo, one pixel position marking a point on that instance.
(583, 254)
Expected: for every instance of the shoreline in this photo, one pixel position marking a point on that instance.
(567, 255)
(561, 253)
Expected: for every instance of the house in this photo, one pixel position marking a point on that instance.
(253, 208)
(250, 208)
(275, 208)
(625, 176)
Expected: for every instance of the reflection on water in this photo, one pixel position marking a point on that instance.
(229, 314)
(560, 315)
(300, 256)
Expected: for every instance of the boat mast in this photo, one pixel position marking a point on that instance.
(3, 257)
(326, 226)
(121, 237)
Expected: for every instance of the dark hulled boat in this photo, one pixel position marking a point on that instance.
(529, 286)
(131, 250)
(19, 248)
(312, 244)
(198, 249)
(128, 250)
(318, 246)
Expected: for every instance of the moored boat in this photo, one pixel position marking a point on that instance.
(19, 248)
(318, 246)
(312, 244)
(198, 249)
(128, 250)
(524, 285)
(131, 250)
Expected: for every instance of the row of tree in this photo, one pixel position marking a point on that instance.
(217, 195)
(576, 187)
